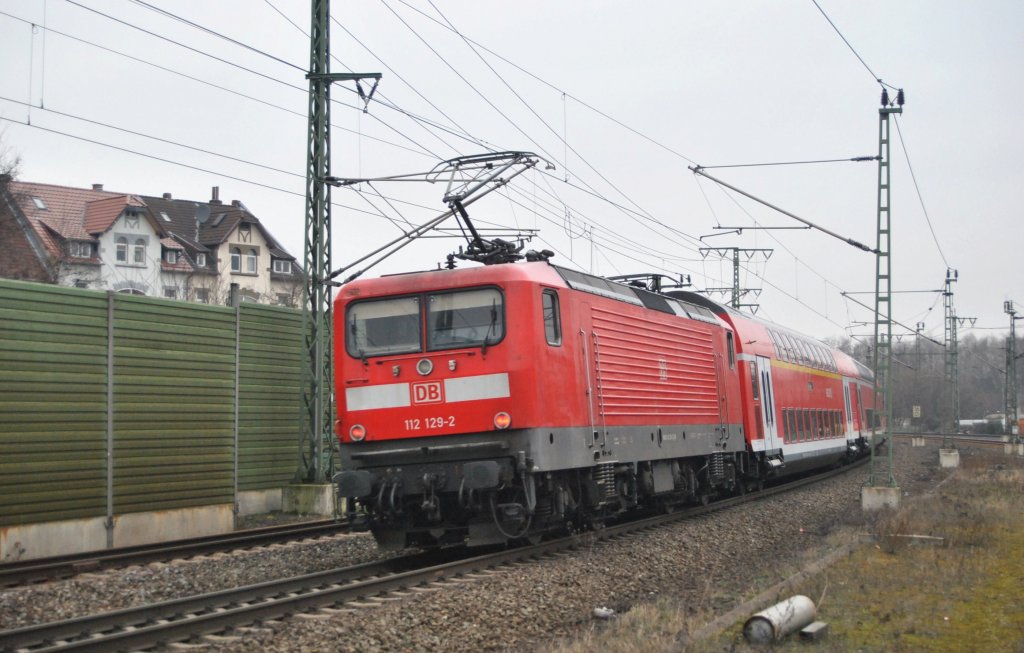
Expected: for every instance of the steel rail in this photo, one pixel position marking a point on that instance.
(186, 618)
(42, 569)
(981, 440)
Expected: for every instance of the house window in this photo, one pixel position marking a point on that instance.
(122, 250)
(170, 292)
(79, 249)
(203, 294)
(166, 217)
(250, 262)
(201, 260)
(171, 256)
(38, 201)
(139, 252)
(282, 266)
(81, 283)
(284, 299)
(236, 259)
(131, 291)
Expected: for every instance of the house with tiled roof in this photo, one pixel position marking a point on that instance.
(156, 246)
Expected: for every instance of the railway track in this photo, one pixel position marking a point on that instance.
(347, 588)
(980, 440)
(44, 569)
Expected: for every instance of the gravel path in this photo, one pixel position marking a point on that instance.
(522, 608)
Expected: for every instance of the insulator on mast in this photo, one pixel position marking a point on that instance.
(899, 98)
(885, 98)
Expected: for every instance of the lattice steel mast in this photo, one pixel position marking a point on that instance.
(736, 290)
(318, 440)
(1011, 371)
(881, 473)
(952, 374)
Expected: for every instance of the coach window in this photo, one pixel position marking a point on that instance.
(383, 326)
(731, 347)
(468, 318)
(791, 353)
(552, 318)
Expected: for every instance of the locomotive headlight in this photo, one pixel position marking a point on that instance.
(357, 432)
(502, 420)
(425, 366)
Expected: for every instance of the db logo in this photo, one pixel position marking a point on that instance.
(427, 393)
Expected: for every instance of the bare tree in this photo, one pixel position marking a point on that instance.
(10, 161)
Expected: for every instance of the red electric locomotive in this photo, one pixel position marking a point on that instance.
(494, 403)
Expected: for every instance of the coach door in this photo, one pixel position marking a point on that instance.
(849, 412)
(590, 353)
(771, 432)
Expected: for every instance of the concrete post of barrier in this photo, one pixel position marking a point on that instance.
(309, 499)
(877, 498)
(949, 458)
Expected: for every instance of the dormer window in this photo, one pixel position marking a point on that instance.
(78, 249)
(38, 201)
(201, 260)
(282, 266)
(167, 218)
(171, 256)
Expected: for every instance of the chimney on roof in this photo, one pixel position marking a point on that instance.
(216, 196)
(97, 186)
(167, 196)
(236, 203)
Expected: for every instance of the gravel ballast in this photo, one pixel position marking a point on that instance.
(710, 563)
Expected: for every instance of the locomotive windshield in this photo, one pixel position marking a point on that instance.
(383, 326)
(466, 318)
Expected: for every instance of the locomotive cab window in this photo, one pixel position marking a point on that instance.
(468, 318)
(552, 319)
(383, 326)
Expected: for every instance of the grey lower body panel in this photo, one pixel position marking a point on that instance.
(551, 449)
(799, 462)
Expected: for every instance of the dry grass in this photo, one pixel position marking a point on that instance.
(964, 592)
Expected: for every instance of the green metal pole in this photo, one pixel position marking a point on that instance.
(882, 466)
(318, 443)
(1011, 371)
(317, 397)
(952, 392)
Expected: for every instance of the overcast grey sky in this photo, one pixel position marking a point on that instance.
(683, 82)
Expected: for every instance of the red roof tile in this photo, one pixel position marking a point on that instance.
(101, 214)
(61, 214)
